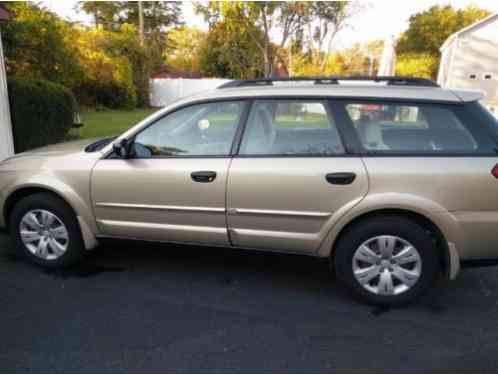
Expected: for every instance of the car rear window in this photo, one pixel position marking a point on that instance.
(384, 127)
(489, 118)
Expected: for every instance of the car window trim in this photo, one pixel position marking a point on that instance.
(243, 101)
(458, 109)
(345, 127)
(328, 110)
(352, 139)
(239, 134)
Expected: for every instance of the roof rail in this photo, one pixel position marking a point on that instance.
(333, 80)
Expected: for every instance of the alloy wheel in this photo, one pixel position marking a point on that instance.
(44, 234)
(387, 265)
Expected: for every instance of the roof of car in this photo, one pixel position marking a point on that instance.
(346, 91)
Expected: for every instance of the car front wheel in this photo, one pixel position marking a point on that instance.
(46, 231)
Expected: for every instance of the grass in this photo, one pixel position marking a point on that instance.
(100, 124)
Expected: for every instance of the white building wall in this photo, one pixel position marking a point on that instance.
(445, 64)
(164, 91)
(475, 57)
(6, 140)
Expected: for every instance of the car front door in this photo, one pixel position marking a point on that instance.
(291, 178)
(172, 188)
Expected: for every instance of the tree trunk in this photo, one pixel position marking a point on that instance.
(141, 23)
(268, 65)
(268, 59)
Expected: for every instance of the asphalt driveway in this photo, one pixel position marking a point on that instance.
(167, 308)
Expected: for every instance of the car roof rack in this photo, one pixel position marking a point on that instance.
(333, 80)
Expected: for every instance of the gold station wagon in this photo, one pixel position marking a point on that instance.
(393, 179)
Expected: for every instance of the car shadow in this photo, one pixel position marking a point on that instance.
(229, 268)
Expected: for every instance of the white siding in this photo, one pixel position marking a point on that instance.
(445, 64)
(6, 141)
(476, 53)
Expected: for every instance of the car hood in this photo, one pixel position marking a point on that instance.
(53, 155)
(57, 150)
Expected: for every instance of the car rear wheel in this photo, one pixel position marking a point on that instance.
(387, 260)
(46, 231)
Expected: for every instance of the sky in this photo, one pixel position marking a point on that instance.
(379, 19)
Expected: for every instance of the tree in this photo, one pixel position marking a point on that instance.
(37, 45)
(361, 59)
(319, 21)
(358, 59)
(428, 30)
(327, 18)
(229, 54)
(185, 44)
(104, 12)
(267, 17)
(108, 71)
(125, 43)
(157, 16)
(422, 65)
(111, 15)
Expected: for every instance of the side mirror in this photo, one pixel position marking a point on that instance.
(122, 148)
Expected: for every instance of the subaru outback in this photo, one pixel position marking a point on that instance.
(393, 179)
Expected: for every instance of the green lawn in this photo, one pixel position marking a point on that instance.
(108, 123)
(100, 124)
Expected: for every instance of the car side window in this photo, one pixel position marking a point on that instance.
(290, 127)
(391, 127)
(198, 130)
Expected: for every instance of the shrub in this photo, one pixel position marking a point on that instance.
(42, 112)
(108, 71)
(106, 94)
(417, 65)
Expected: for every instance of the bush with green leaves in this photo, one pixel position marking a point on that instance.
(421, 65)
(42, 112)
(38, 44)
(110, 95)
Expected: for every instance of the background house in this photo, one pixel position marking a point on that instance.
(469, 59)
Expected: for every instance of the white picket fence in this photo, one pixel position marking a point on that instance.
(164, 91)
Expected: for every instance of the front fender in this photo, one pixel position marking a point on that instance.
(78, 200)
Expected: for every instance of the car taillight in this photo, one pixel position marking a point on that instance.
(494, 171)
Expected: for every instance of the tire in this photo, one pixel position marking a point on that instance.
(62, 240)
(356, 268)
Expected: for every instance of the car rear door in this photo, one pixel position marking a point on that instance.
(174, 187)
(440, 155)
(292, 177)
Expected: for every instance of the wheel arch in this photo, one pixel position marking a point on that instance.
(17, 195)
(20, 192)
(447, 254)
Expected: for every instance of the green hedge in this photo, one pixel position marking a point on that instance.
(107, 94)
(42, 112)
